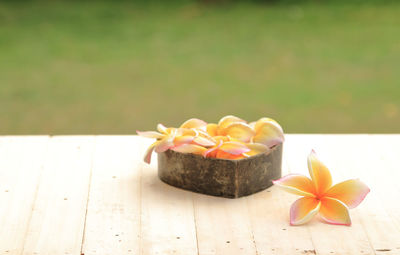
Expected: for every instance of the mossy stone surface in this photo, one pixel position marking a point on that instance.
(220, 177)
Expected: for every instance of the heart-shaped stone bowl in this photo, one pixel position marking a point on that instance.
(220, 177)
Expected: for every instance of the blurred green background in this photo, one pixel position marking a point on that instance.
(114, 67)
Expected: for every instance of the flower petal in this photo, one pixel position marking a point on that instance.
(150, 134)
(350, 192)
(296, 184)
(212, 152)
(226, 155)
(165, 144)
(239, 131)
(228, 120)
(212, 129)
(161, 128)
(257, 148)
(234, 148)
(260, 122)
(184, 139)
(149, 151)
(203, 141)
(303, 210)
(334, 212)
(187, 131)
(194, 123)
(190, 148)
(268, 133)
(319, 173)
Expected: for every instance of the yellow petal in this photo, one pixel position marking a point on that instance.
(221, 138)
(303, 210)
(234, 148)
(212, 152)
(334, 212)
(212, 129)
(194, 123)
(319, 173)
(226, 155)
(162, 129)
(203, 141)
(150, 134)
(164, 144)
(296, 184)
(257, 148)
(350, 192)
(149, 151)
(239, 131)
(187, 131)
(268, 133)
(184, 139)
(190, 148)
(226, 121)
(260, 122)
(166, 131)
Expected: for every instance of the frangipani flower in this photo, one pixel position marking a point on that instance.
(169, 138)
(319, 196)
(231, 138)
(232, 127)
(268, 132)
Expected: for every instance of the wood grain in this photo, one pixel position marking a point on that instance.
(58, 217)
(21, 160)
(94, 195)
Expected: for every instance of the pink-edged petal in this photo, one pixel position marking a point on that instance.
(149, 151)
(239, 131)
(203, 133)
(225, 155)
(234, 148)
(165, 144)
(228, 120)
(296, 184)
(268, 133)
(203, 141)
(208, 152)
(257, 148)
(350, 192)
(150, 134)
(212, 129)
(319, 173)
(184, 139)
(303, 210)
(190, 148)
(194, 123)
(334, 212)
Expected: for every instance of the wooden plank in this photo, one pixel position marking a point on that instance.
(167, 223)
(58, 216)
(269, 214)
(113, 214)
(21, 160)
(223, 226)
(377, 164)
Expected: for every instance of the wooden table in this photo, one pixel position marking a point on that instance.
(94, 195)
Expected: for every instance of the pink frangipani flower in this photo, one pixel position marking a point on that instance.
(319, 196)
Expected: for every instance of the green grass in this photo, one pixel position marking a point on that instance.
(87, 67)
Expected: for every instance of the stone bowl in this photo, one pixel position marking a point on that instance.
(220, 177)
